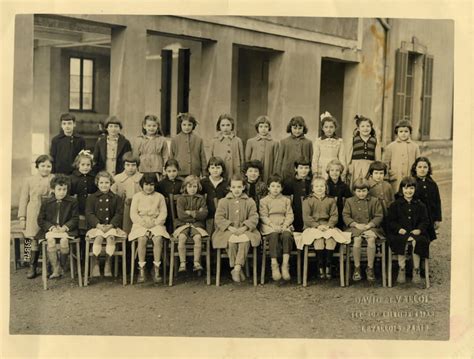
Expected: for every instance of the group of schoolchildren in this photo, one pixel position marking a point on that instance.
(294, 192)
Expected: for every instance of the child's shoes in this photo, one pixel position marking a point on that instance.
(182, 267)
(96, 269)
(276, 275)
(356, 276)
(235, 275)
(285, 272)
(401, 278)
(157, 277)
(322, 275)
(370, 274)
(328, 273)
(141, 275)
(107, 268)
(416, 278)
(197, 267)
(55, 274)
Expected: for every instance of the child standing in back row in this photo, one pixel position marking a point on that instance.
(262, 147)
(66, 146)
(188, 148)
(110, 148)
(151, 147)
(227, 145)
(293, 148)
(327, 147)
(400, 154)
(363, 150)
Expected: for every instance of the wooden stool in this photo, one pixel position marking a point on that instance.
(380, 253)
(73, 243)
(391, 258)
(149, 249)
(265, 249)
(342, 254)
(118, 253)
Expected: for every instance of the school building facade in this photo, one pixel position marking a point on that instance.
(129, 65)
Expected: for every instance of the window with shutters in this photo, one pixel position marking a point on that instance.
(81, 84)
(413, 91)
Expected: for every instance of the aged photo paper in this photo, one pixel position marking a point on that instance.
(381, 322)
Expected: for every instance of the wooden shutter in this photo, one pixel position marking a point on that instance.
(426, 96)
(166, 68)
(183, 80)
(401, 64)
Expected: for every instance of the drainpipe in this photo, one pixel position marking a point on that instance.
(386, 26)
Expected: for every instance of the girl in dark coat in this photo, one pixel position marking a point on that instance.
(408, 221)
(427, 191)
(337, 188)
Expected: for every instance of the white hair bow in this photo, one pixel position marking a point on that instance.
(325, 114)
(86, 153)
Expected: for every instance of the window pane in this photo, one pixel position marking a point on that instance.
(74, 83)
(87, 67)
(87, 84)
(87, 101)
(74, 101)
(75, 66)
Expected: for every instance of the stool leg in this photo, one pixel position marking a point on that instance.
(384, 269)
(16, 253)
(71, 261)
(427, 272)
(218, 267)
(124, 262)
(298, 266)
(78, 263)
(305, 266)
(44, 274)
(115, 266)
(247, 269)
(348, 264)
(208, 261)
(389, 267)
(165, 259)
(341, 264)
(132, 262)
(171, 263)
(255, 280)
(86, 265)
(264, 252)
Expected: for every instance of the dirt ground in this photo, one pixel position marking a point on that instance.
(191, 308)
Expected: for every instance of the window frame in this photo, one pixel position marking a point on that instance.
(81, 83)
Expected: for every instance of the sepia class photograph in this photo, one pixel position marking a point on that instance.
(217, 176)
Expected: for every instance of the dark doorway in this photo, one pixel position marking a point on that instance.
(331, 96)
(252, 89)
